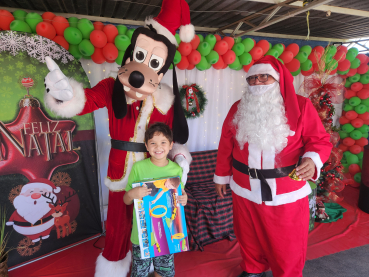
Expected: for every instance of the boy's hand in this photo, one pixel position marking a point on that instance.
(182, 199)
(140, 192)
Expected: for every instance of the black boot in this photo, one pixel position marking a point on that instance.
(245, 274)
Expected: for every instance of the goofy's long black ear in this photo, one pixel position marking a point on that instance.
(119, 101)
(180, 127)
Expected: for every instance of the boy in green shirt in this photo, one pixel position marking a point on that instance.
(158, 141)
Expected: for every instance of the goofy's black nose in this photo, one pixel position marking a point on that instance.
(136, 79)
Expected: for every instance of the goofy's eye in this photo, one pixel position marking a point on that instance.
(139, 54)
(156, 62)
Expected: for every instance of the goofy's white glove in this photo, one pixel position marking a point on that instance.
(183, 163)
(56, 83)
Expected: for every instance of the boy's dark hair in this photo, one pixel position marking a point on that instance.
(160, 128)
(175, 182)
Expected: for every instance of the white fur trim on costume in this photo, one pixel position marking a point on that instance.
(160, 29)
(106, 268)
(33, 230)
(180, 149)
(317, 161)
(263, 68)
(163, 98)
(186, 32)
(221, 180)
(292, 133)
(269, 163)
(69, 108)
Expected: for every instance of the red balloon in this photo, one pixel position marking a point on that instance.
(344, 65)
(340, 56)
(263, 44)
(221, 47)
(185, 49)
(307, 73)
(342, 147)
(217, 37)
(362, 142)
(355, 149)
(219, 64)
(357, 122)
(110, 52)
(6, 18)
(348, 141)
(364, 116)
(247, 67)
(111, 32)
(195, 42)
(315, 56)
(190, 66)
(343, 120)
(356, 86)
(293, 65)
(110, 61)
(294, 48)
(362, 58)
(230, 57)
(61, 41)
(284, 47)
(334, 71)
(224, 65)
(351, 115)
(48, 17)
(194, 57)
(184, 63)
(98, 56)
(363, 68)
(354, 168)
(256, 53)
(46, 30)
(229, 41)
(366, 86)
(319, 49)
(342, 48)
(286, 56)
(363, 93)
(316, 66)
(98, 25)
(366, 122)
(352, 72)
(98, 38)
(60, 23)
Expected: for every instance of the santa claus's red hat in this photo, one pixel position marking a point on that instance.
(41, 183)
(174, 14)
(270, 65)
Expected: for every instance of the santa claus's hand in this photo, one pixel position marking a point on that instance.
(57, 83)
(221, 190)
(183, 163)
(306, 170)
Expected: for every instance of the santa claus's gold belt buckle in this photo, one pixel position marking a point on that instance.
(256, 174)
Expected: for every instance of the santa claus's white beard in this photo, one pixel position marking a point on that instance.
(261, 120)
(30, 211)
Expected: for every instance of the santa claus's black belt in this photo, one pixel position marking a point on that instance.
(39, 222)
(262, 175)
(128, 146)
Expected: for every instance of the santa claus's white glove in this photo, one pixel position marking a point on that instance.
(57, 83)
(183, 163)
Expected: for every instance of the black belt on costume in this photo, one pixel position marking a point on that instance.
(128, 146)
(262, 175)
(39, 222)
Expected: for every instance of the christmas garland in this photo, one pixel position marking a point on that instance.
(193, 100)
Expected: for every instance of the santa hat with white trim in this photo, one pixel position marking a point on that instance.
(174, 14)
(41, 183)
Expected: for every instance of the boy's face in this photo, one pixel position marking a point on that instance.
(159, 147)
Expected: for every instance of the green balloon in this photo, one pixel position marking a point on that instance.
(355, 134)
(239, 68)
(20, 15)
(354, 50)
(211, 40)
(354, 101)
(360, 155)
(343, 72)
(122, 29)
(366, 135)
(171, 66)
(270, 45)
(347, 128)
(238, 49)
(282, 62)
(355, 63)
(360, 109)
(86, 48)
(86, 57)
(178, 39)
(272, 52)
(245, 58)
(350, 55)
(306, 65)
(212, 57)
(345, 165)
(353, 159)
(130, 32)
(364, 79)
(343, 134)
(365, 102)
(238, 40)
(363, 129)
(297, 72)
(347, 155)
(86, 27)
(201, 37)
(346, 101)
(74, 50)
(347, 107)
(328, 57)
(122, 42)
(355, 78)
(204, 48)
(306, 48)
(73, 35)
(177, 57)
(332, 50)
(73, 21)
(32, 20)
(302, 56)
(332, 65)
(348, 83)
(20, 26)
(203, 64)
(119, 59)
(357, 177)
(236, 64)
(248, 43)
(279, 48)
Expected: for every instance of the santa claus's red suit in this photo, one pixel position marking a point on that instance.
(271, 212)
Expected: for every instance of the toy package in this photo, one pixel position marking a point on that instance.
(161, 219)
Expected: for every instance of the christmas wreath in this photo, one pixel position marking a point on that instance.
(193, 100)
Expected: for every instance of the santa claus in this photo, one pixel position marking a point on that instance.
(263, 137)
(134, 100)
(33, 216)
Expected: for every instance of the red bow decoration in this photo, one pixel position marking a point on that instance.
(187, 88)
